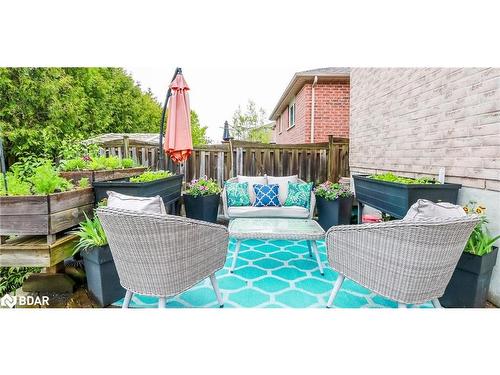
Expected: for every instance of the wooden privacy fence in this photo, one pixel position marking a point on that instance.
(316, 162)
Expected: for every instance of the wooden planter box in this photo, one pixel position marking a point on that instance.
(44, 214)
(102, 175)
(395, 199)
(169, 189)
(33, 251)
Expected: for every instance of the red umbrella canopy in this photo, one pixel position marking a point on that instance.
(178, 142)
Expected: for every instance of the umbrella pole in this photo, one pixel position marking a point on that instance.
(161, 158)
(2, 165)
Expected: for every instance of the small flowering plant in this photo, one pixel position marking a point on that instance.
(480, 241)
(202, 186)
(330, 191)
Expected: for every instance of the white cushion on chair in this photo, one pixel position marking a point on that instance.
(252, 180)
(150, 205)
(425, 209)
(283, 184)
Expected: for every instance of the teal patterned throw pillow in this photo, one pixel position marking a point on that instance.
(237, 194)
(299, 194)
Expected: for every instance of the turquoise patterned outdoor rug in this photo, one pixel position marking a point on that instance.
(275, 273)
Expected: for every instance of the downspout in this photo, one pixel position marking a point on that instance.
(312, 107)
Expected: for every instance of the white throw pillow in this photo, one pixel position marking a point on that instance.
(283, 184)
(424, 209)
(149, 205)
(252, 180)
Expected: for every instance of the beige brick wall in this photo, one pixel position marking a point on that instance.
(414, 121)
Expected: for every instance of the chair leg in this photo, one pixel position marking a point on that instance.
(213, 280)
(402, 305)
(315, 251)
(436, 303)
(309, 247)
(162, 301)
(235, 256)
(126, 301)
(335, 290)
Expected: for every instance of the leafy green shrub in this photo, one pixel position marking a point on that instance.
(390, 177)
(76, 164)
(91, 234)
(26, 166)
(151, 176)
(12, 278)
(331, 191)
(84, 183)
(202, 186)
(112, 162)
(15, 185)
(128, 163)
(480, 241)
(97, 163)
(46, 180)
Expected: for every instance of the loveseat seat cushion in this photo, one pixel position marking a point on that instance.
(285, 212)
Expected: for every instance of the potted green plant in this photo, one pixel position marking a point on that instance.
(201, 199)
(37, 201)
(102, 278)
(99, 168)
(395, 194)
(148, 184)
(470, 281)
(334, 204)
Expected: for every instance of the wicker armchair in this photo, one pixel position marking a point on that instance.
(163, 255)
(410, 262)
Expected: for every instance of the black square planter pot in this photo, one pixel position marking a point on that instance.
(102, 278)
(395, 199)
(203, 208)
(169, 189)
(336, 212)
(469, 284)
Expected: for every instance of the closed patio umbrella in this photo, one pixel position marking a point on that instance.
(178, 142)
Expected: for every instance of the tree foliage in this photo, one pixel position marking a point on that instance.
(43, 111)
(198, 132)
(250, 124)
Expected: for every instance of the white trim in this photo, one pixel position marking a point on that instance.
(290, 106)
(313, 104)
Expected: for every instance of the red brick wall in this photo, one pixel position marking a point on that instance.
(331, 114)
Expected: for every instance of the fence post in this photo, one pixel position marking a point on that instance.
(126, 146)
(330, 161)
(230, 158)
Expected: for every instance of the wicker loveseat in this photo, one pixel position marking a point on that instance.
(256, 212)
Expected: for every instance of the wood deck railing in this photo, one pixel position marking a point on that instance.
(316, 162)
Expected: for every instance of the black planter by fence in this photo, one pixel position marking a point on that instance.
(336, 212)
(470, 281)
(203, 207)
(102, 279)
(169, 189)
(395, 199)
